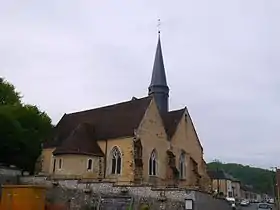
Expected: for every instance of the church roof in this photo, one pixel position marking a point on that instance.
(80, 141)
(77, 133)
(109, 122)
(171, 120)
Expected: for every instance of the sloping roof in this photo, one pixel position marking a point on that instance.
(220, 174)
(58, 133)
(171, 121)
(233, 179)
(71, 135)
(216, 174)
(80, 141)
(247, 188)
(191, 121)
(109, 122)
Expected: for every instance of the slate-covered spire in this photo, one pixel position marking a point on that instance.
(158, 87)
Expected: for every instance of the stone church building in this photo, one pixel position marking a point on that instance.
(139, 141)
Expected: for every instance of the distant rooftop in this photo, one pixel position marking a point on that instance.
(221, 174)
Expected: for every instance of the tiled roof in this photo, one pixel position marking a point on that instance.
(78, 132)
(247, 188)
(109, 122)
(220, 174)
(80, 141)
(171, 121)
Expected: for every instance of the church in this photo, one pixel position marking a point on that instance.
(139, 141)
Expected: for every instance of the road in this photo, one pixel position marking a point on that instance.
(251, 207)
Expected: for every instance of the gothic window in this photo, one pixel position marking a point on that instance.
(153, 164)
(60, 163)
(89, 164)
(116, 161)
(182, 165)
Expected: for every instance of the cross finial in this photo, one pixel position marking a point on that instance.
(158, 26)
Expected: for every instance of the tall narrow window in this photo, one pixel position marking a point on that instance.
(153, 164)
(182, 165)
(89, 164)
(60, 163)
(116, 161)
(54, 163)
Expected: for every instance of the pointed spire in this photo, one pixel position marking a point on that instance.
(158, 76)
(158, 86)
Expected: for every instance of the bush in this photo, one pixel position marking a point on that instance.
(144, 207)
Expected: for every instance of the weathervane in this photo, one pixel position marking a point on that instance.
(158, 26)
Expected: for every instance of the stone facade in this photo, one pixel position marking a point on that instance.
(153, 138)
(78, 194)
(64, 166)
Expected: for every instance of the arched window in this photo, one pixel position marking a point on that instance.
(116, 161)
(89, 164)
(182, 165)
(59, 163)
(153, 164)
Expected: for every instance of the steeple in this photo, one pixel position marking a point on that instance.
(158, 87)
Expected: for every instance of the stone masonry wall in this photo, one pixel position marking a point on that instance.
(79, 194)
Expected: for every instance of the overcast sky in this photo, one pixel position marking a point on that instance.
(221, 57)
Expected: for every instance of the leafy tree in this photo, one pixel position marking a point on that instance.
(8, 94)
(23, 128)
(261, 179)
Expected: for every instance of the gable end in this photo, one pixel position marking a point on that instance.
(187, 114)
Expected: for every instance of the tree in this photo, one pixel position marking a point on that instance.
(8, 94)
(23, 129)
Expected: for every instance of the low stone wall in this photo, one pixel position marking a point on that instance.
(78, 194)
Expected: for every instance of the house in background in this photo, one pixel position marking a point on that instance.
(136, 141)
(236, 187)
(248, 192)
(225, 184)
